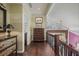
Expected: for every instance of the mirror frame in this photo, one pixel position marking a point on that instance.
(4, 19)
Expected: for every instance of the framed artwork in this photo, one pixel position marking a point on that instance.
(39, 20)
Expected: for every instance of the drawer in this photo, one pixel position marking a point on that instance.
(38, 30)
(38, 35)
(8, 51)
(7, 43)
(38, 38)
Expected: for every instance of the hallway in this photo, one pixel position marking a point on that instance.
(39, 49)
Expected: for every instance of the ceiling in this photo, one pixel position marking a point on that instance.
(39, 8)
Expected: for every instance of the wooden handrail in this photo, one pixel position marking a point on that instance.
(61, 48)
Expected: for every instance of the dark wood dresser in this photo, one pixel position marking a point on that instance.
(38, 34)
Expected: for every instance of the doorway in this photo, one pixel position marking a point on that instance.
(25, 40)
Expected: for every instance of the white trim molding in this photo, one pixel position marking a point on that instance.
(20, 51)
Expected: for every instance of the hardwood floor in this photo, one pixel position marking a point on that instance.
(39, 49)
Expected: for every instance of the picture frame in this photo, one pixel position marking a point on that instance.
(39, 20)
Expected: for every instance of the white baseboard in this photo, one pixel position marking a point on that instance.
(20, 51)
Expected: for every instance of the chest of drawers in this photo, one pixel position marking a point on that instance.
(8, 45)
(38, 34)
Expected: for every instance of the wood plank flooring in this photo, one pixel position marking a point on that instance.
(39, 49)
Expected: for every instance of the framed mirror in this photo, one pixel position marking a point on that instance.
(2, 19)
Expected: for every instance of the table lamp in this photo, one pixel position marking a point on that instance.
(8, 28)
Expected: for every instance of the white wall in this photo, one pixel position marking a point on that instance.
(68, 13)
(26, 21)
(16, 21)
